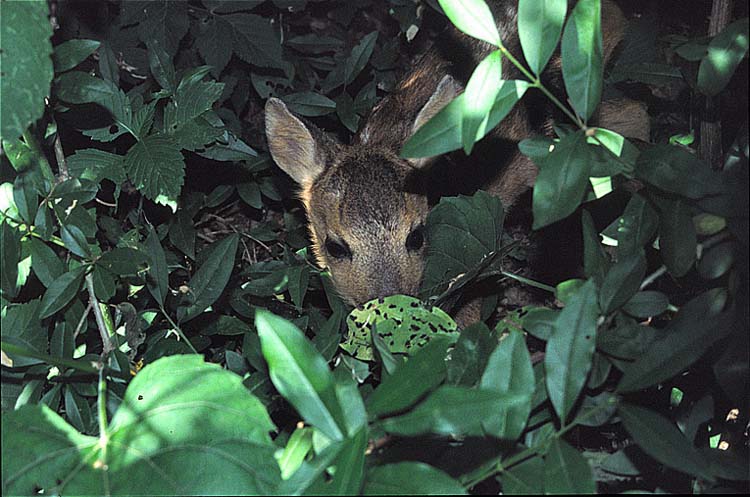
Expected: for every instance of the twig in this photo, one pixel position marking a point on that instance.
(106, 343)
(62, 164)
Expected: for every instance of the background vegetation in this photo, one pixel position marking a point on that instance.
(164, 330)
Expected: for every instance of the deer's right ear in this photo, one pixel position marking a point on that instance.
(293, 145)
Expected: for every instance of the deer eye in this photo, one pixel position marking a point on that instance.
(337, 250)
(415, 240)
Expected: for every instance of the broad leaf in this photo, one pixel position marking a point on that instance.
(479, 97)
(725, 52)
(473, 17)
(566, 471)
(540, 23)
(61, 291)
(409, 478)
(156, 167)
(69, 54)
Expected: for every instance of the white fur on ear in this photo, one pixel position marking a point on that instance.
(291, 143)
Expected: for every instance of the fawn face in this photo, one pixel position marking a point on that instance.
(365, 205)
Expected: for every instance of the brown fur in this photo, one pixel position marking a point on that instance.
(365, 197)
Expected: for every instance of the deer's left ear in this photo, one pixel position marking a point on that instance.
(446, 90)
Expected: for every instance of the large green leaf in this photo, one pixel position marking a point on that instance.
(211, 278)
(479, 97)
(524, 478)
(509, 371)
(184, 427)
(570, 350)
(61, 291)
(10, 242)
(595, 260)
(622, 281)
(421, 374)
(69, 54)
(27, 66)
(443, 133)
(22, 326)
(44, 261)
(677, 238)
(725, 52)
(540, 23)
(78, 87)
(674, 169)
(453, 410)
(461, 232)
(473, 17)
(698, 324)
(562, 180)
(636, 226)
(157, 279)
(156, 167)
(309, 103)
(255, 40)
(300, 374)
(410, 478)
(566, 471)
(661, 439)
(581, 51)
(95, 165)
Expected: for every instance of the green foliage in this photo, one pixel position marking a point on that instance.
(160, 306)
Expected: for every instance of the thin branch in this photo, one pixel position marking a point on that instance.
(106, 342)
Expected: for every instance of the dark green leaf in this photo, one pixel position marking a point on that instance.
(122, 261)
(182, 233)
(540, 322)
(60, 292)
(10, 241)
(300, 373)
(677, 238)
(27, 66)
(410, 478)
(25, 196)
(421, 374)
(524, 478)
(660, 439)
(570, 349)
(309, 103)
(157, 279)
(78, 87)
(622, 281)
(674, 169)
(69, 54)
(539, 26)
(156, 167)
(636, 227)
(725, 52)
(161, 66)
(22, 327)
(595, 260)
(255, 40)
(716, 260)
(566, 471)
(75, 240)
(581, 51)
(562, 180)
(95, 165)
(646, 304)
(469, 357)
(211, 278)
(44, 261)
(215, 43)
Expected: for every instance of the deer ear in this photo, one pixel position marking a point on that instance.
(446, 90)
(298, 149)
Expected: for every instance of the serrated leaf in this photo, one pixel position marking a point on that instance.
(215, 43)
(209, 281)
(156, 167)
(473, 17)
(61, 292)
(95, 165)
(22, 326)
(300, 373)
(582, 59)
(540, 23)
(164, 22)
(69, 54)
(570, 350)
(27, 66)
(255, 40)
(81, 88)
(122, 260)
(161, 66)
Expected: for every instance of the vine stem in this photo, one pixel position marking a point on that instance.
(101, 403)
(178, 330)
(106, 343)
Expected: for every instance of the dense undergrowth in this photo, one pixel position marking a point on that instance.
(165, 330)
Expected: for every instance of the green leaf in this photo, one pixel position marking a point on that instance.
(627, 340)
(75, 240)
(469, 357)
(453, 410)
(509, 372)
(540, 322)
(209, 281)
(677, 238)
(725, 52)
(570, 350)
(595, 260)
(182, 233)
(25, 195)
(443, 133)
(646, 304)
(295, 451)
(581, 51)
(44, 261)
(661, 439)
(540, 23)
(474, 18)
(95, 165)
(192, 98)
(156, 167)
(566, 471)
(359, 57)
(300, 373)
(61, 291)
(622, 281)
(421, 374)
(403, 322)
(161, 66)
(157, 279)
(673, 169)
(27, 67)
(215, 43)
(462, 231)
(348, 467)
(78, 87)
(481, 91)
(562, 180)
(104, 284)
(309, 103)
(410, 478)
(255, 40)
(524, 478)
(22, 327)
(122, 261)
(698, 324)
(69, 54)
(10, 241)
(716, 261)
